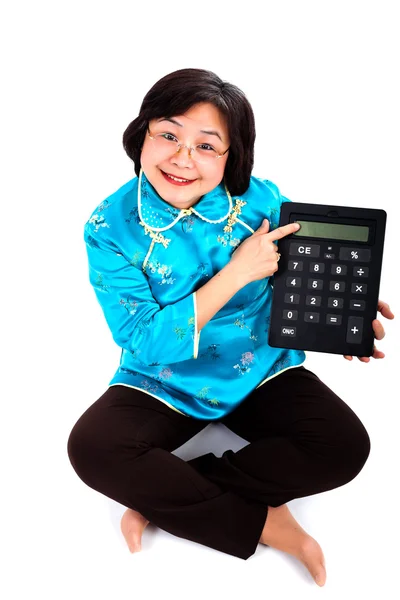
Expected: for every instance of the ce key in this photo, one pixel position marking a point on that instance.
(299, 249)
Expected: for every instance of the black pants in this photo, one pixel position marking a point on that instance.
(303, 440)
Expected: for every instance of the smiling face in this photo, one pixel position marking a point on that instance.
(201, 124)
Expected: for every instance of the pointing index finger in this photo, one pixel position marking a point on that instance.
(280, 232)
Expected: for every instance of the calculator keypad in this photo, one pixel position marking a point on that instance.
(316, 267)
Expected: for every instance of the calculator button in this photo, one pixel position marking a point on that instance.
(339, 270)
(355, 254)
(337, 286)
(304, 250)
(290, 314)
(293, 282)
(295, 265)
(311, 317)
(360, 271)
(317, 267)
(358, 288)
(357, 304)
(313, 300)
(333, 319)
(329, 255)
(288, 331)
(354, 330)
(292, 298)
(315, 284)
(335, 302)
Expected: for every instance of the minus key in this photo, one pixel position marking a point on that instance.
(357, 304)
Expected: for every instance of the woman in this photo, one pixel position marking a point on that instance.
(181, 259)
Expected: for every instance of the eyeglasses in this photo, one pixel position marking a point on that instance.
(167, 143)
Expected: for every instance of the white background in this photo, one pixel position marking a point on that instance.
(322, 78)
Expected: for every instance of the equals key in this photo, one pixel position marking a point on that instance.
(333, 319)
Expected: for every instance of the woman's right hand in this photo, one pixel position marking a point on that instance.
(257, 257)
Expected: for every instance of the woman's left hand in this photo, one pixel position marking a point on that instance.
(379, 332)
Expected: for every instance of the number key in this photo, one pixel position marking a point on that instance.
(335, 302)
(293, 282)
(339, 270)
(317, 267)
(291, 315)
(315, 284)
(313, 300)
(295, 265)
(337, 286)
(292, 298)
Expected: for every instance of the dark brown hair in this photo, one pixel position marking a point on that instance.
(175, 94)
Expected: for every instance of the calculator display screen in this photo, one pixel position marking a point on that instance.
(333, 231)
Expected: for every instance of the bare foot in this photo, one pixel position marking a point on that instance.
(283, 532)
(132, 527)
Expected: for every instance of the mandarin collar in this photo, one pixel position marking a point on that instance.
(158, 215)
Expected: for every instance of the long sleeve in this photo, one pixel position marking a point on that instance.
(136, 321)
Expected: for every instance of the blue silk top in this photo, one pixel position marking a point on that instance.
(147, 259)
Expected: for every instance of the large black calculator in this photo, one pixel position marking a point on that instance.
(325, 292)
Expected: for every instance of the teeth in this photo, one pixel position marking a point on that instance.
(176, 179)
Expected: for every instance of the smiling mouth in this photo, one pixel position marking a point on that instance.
(175, 179)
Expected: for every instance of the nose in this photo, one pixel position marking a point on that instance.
(182, 157)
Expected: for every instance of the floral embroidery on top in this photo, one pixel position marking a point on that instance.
(211, 352)
(98, 221)
(165, 373)
(148, 386)
(136, 258)
(246, 360)
(128, 371)
(145, 192)
(163, 270)
(144, 323)
(232, 218)
(174, 212)
(99, 285)
(133, 214)
(181, 332)
(201, 273)
(240, 322)
(129, 304)
(224, 241)
(202, 395)
(156, 237)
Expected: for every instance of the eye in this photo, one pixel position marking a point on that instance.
(169, 137)
(206, 147)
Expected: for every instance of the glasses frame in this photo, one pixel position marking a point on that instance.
(190, 148)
